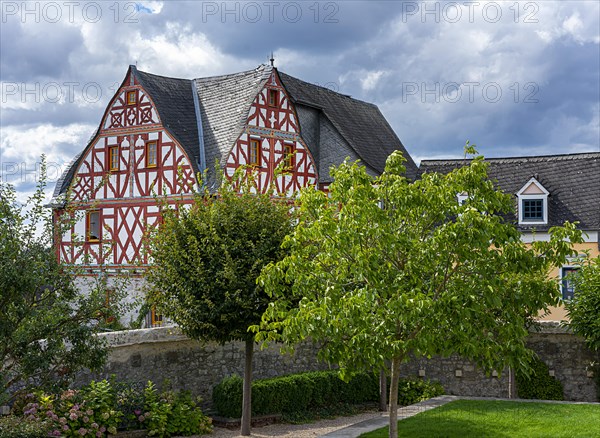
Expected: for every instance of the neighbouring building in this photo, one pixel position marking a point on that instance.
(158, 133)
(547, 191)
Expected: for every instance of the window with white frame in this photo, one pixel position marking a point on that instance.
(533, 203)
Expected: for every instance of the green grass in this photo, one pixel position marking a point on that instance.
(502, 419)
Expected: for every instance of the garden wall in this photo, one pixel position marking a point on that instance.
(164, 353)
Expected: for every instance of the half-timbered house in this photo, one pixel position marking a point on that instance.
(158, 133)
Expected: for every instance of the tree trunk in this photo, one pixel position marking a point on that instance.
(394, 398)
(247, 393)
(382, 390)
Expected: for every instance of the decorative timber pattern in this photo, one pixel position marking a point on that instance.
(271, 141)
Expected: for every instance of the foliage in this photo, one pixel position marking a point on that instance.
(104, 407)
(411, 391)
(206, 260)
(584, 310)
(169, 414)
(16, 427)
(538, 384)
(384, 268)
(46, 328)
(298, 393)
(498, 419)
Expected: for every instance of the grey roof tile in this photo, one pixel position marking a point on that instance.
(360, 123)
(573, 181)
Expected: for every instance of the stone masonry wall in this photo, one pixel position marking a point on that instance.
(164, 353)
(161, 354)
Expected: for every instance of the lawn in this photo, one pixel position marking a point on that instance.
(475, 418)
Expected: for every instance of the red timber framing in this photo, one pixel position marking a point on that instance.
(273, 124)
(114, 178)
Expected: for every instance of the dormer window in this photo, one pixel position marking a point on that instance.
(533, 203)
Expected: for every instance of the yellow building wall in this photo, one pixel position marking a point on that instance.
(559, 313)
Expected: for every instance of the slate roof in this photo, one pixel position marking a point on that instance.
(224, 102)
(175, 105)
(573, 181)
(360, 123)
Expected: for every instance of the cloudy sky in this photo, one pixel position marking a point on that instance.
(516, 78)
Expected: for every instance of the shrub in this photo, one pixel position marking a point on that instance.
(101, 408)
(17, 427)
(539, 385)
(414, 391)
(311, 391)
(171, 413)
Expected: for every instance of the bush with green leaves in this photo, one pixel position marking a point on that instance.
(102, 408)
(313, 390)
(13, 426)
(169, 413)
(539, 384)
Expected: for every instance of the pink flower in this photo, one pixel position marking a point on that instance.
(137, 412)
(73, 416)
(65, 427)
(82, 431)
(62, 420)
(86, 419)
(99, 434)
(94, 425)
(141, 418)
(89, 412)
(102, 429)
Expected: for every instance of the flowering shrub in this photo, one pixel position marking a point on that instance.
(103, 407)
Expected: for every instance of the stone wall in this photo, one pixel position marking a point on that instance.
(568, 360)
(164, 353)
(161, 354)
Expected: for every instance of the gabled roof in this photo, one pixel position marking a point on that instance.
(206, 115)
(573, 183)
(224, 103)
(174, 102)
(360, 123)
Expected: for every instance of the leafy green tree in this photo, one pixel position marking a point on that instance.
(584, 310)
(46, 327)
(384, 268)
(206, 261)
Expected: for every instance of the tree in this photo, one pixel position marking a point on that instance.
(584, 310)
(384, 268)
(47, 329)
(206, 261)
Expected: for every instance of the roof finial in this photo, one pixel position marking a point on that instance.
(272, 60)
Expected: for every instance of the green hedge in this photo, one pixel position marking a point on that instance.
(539, 385)
(313, 390)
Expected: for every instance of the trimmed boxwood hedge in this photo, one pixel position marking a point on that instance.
(311, 390)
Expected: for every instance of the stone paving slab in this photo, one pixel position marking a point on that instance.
(358, 429)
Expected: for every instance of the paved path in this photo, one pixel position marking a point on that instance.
(358, 429)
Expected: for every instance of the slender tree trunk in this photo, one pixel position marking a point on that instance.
(382, 390)
(394, 398)
(247, 393)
